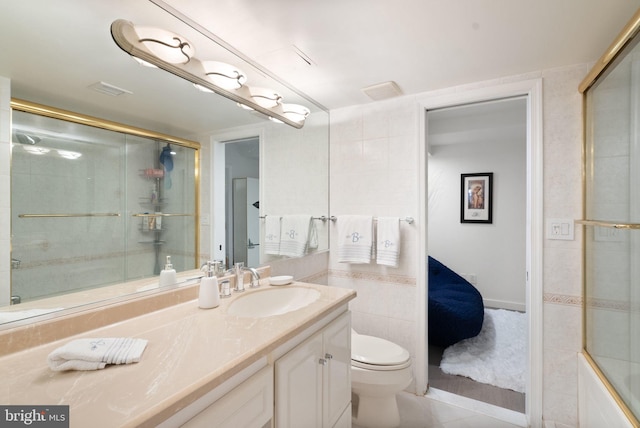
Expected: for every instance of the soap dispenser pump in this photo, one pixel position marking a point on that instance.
(168, 274)
(209, 294)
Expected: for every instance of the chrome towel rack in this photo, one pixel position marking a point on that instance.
(409, 220)
(321, 218)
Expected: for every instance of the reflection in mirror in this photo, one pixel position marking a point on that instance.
(92, 206)
(79, 68)
(293, 184)
(242, 182)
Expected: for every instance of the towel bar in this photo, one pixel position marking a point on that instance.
(409, 220)
(321, 218)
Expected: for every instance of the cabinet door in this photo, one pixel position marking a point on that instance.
(337, 373)
(249, 405)
(299, 386)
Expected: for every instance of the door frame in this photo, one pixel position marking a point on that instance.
(218, 196)
(532, 90)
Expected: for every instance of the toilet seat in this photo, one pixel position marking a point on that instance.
(374, 353)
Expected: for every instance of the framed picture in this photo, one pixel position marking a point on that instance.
(476, 198)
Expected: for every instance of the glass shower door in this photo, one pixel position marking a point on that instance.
(612, 228)
(67, 199)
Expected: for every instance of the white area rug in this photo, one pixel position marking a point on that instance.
(497, 355)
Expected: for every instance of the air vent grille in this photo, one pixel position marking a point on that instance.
(382, 91)
(107, 89)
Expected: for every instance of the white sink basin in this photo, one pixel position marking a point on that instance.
(272, 301)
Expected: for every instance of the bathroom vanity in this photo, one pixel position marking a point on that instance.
(203, 368)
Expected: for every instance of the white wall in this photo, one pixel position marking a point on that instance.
(494, 253)
(374, 170)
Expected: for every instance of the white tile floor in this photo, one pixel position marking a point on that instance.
(440, 409)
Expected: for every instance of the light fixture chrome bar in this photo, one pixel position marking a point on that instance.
(125, 36)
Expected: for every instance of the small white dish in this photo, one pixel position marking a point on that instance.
(281, 280)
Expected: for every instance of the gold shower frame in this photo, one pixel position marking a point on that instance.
(69, 116)
(624, 38)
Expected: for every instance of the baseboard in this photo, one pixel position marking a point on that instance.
(501, 304)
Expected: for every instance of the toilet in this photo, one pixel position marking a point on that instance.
(379, 370)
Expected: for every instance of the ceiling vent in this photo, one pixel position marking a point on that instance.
(107, 89)
(382, 91)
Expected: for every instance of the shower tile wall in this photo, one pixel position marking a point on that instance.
(374, 149)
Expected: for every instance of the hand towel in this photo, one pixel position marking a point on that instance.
(96, 353)
(388, 241)
(355, 239)
(313, 236)
(294, 235)
(272, 235)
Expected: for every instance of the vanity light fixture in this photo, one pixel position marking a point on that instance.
(224, 75)
(67, 154)
(167, 46)
(244, 106)
(267, 98)
(172, 53)
(295, 112)
(202, 88)
(34, 150)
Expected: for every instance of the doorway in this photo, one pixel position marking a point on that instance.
(531, 90)
(242, 184)
(488, 137)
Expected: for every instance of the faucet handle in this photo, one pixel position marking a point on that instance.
(225, 288)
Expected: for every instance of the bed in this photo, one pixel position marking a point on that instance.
(456, 311)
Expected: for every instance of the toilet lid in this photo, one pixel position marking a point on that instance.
(377, 351)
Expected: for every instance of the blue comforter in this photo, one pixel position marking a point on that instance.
(456, 310)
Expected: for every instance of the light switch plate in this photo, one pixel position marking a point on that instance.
(560, 228)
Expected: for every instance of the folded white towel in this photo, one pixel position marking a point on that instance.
(355, 239)
(272, 234)
(388, 241)
(294, 235)
(96, 353)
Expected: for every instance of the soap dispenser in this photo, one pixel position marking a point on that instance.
(168, 274)
(209, 294)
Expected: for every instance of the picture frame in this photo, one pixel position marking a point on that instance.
(476, 201)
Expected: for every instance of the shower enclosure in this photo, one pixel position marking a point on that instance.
(612, 222)
(96, 205)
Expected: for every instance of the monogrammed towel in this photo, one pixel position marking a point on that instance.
(96, 353)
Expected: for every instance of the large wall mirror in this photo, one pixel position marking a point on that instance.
(66, 58)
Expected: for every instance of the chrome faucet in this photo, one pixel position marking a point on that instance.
(255, 277)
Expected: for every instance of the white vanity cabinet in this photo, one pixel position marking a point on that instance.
(313, 380)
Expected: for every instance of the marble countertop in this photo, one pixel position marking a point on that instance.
(190, 351)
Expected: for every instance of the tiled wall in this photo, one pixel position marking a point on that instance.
(374, 171)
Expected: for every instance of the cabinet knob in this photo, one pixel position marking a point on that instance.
(328, 356)
(322, 362)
